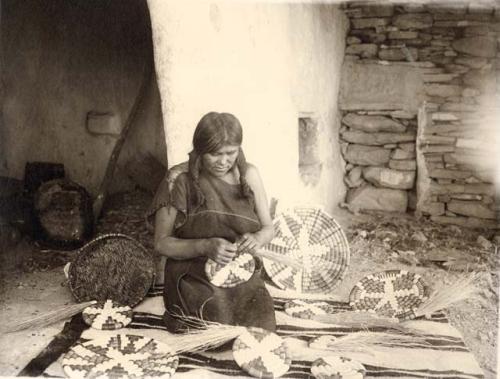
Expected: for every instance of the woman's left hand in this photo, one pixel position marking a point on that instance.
(247, 243)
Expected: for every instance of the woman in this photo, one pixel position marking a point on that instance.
(217, 209)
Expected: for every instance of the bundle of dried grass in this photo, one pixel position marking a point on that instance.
(48, 318)
(444, 296)
(364, 320)
(364, 342)
(202, 335)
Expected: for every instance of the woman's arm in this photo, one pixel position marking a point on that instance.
(218, 249)
(258, 239)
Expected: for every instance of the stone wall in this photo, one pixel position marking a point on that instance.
(456, 155)
(454, 48)
(380, 155)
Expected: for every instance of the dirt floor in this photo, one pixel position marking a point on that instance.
(32, 281)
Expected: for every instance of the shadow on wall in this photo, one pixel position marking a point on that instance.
(71, 73)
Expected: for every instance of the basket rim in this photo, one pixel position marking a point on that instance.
(84, 250)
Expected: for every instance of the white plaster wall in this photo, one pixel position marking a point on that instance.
(265, 62)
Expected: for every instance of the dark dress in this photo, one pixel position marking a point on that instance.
(225, 214)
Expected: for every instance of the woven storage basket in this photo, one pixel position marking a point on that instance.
(391, 293)
(112, 267)
(312, 237)
(63, 216)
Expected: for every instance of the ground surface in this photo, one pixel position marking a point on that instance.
(32, 281)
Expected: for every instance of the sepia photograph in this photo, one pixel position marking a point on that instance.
(215, 189)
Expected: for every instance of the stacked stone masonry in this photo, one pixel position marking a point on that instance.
(380, 156)
(435, 162)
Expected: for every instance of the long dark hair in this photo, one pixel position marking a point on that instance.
(214, 131)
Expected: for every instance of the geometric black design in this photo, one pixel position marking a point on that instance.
(238, 271)
(337, 367)
(307, 309)
(107, 316)
(392, 293)
(120, 356)
(261, 353)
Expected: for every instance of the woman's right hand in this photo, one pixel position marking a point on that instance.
(221, 250)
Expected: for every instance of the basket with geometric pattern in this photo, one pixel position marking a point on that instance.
(107, 316)
(337, 367)
(391, 293)
(238, 271)
(120, 356)
(261, 353)
(313, 238)
(308, 309)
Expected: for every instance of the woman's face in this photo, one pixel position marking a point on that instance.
(219, 162)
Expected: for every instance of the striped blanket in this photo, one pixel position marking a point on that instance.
(443, 356)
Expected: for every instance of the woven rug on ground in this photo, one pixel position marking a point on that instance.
(444, 355)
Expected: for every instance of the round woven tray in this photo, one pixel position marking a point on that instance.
(392, 293)
(337, 367)
(112, 267)
(307, 309)
(261, 353)
(238, 271)
(120, 356)
(107, 316)
(312, 237)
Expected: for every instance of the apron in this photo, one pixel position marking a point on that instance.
(225, 214)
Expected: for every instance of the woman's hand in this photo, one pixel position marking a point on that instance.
(221, 250)
(248, 243)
